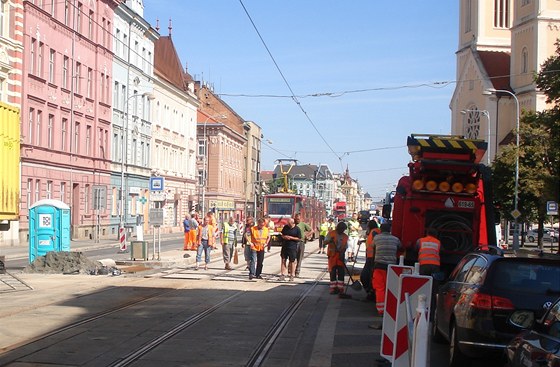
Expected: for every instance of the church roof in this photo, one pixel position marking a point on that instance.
(167, 63)
(497, 66)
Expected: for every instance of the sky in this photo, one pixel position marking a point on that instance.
(365, 74)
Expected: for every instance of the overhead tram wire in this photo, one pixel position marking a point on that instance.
(293, 95)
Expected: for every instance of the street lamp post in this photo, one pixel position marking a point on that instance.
(124, 152)
(493, 91)
(487, 114)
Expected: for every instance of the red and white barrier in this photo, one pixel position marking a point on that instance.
(419, 354)
(122, 239)
(390, 314)
(411, 287)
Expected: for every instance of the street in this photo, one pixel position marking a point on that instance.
(175, 315)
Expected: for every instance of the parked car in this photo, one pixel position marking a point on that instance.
(539, 345)
(532, 235)
(484, 289)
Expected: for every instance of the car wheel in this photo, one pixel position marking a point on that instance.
(456, 357)
(531, 239)
(437, 336)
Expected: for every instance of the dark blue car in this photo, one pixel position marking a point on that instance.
(474, 305)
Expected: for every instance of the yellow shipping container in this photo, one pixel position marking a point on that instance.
(9, 162)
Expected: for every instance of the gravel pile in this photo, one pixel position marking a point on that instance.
(65, 262)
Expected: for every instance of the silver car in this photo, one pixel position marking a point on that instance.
(532, 235)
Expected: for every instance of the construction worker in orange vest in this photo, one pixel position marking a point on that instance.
(428, 257)
(428, 253)
(337, 243)
(260, 237)
(367, 281)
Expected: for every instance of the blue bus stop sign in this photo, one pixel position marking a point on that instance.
(551, 208)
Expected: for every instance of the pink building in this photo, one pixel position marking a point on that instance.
(66, 110)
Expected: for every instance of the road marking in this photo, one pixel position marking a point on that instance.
(322, 348)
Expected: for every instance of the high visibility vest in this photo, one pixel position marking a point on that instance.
(333, 253)
(211, 234)
(370, 247)
(225, 231)
(428, 251)
(324, 229)
(258, 240)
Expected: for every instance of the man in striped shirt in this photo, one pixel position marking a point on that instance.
(386, 248)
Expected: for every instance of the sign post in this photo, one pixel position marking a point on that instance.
(552, 210)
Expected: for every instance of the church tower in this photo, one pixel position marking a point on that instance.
(502, 43)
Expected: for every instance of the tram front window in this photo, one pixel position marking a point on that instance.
(280, 206)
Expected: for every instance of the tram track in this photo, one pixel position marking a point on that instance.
(257, 357)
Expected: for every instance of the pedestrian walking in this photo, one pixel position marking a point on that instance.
(193, 233)
(337, 241)
(290, 236)
(228, 238)
(323, 230)
(259, 241)
(187, 230)
(246, 240)
(353, 236)
(366, 277)
(206, 242)
(304, 229)
(386, 247)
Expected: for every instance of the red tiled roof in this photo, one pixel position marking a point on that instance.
(497, 65)
(167, 63)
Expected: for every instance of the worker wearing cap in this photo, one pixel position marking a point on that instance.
(336, 242)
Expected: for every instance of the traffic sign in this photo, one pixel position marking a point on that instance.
(551, 208)
(157, 183)
(157, 196)
(156, 217)
(515, 213)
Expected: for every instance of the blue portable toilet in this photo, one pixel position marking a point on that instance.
(49, 228)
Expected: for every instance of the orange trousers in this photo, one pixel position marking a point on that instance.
(380, 284)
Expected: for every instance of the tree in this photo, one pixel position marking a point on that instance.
(539, 154)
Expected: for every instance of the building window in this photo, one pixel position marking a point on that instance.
(501, 13)
(77, 138)
(63, 192)
(472, 127)
(103, 30)
(3, 15)
(39, 128)
(52, 59)
(40, 60)
(32, 56)
(66, 12)
(201, 148)
(50, 124)
(143, 59)
(102, 99)
(89, 83)
(136, 53)
(134, 151)
(116, 151)
(117, 42)
(125, 45)
(2, 90)
(29, 188)
(107, 89)
(30, 126)
(37, 190)
(116, 95)
(524, 60)
(525, 2)
(86, 198)
(53, 8)
(77, 78)
(79, 18)
(48, 194)
(64, 134)
(90, 25)
(123, 97)
(65, 63)
(88, 140)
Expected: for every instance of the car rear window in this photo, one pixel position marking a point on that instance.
(527, 277)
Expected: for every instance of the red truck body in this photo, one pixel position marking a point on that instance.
(447, 189)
